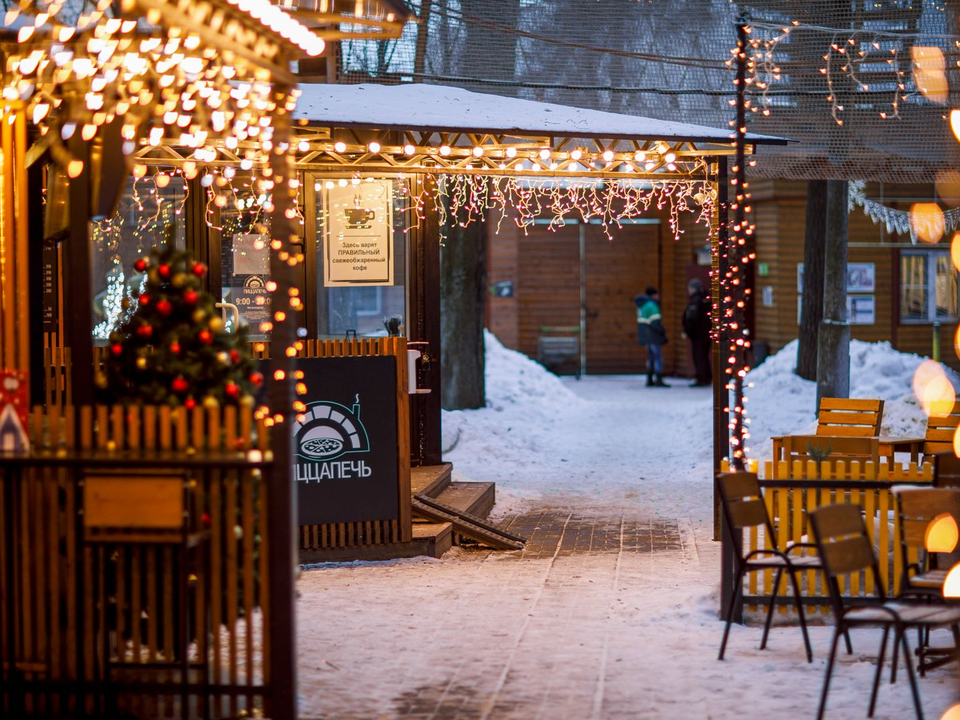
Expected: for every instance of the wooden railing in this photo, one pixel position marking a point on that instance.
(803, 487)
(146, 598)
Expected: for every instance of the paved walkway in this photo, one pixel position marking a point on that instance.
(609, 612)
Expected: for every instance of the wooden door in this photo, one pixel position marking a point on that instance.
(549, 286)
(618, 270)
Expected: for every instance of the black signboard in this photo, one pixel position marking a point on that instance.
(345, 450)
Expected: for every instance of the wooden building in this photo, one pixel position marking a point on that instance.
(900, 292)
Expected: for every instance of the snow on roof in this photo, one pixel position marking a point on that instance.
(449, 109)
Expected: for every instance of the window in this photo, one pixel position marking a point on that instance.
(929, 287)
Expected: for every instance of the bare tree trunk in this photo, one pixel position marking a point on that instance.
(463, 284)
(811, 310)
(833, 358)
(423, 35)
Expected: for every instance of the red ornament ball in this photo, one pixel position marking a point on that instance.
(190, 403)
(144, 299)
(232, 389)
(116, 349)
(199, 269)
(256, 378)
(164, 271)
(145, 331)
(164, 307)
(234, 356)
(206, 337)
(140, 265)
(205, 519)
(190, 297)
(179, 385)
(175, 347)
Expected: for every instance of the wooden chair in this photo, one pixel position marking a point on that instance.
(848, 449)
(743, 508)
(916, 509)
(849, 417)
(940, 431)
(946, 469)
(845, 547)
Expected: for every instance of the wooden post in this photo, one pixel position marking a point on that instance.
(281, 505)
(721, 398)
(78, 303)
(833, 356)
(734, 249)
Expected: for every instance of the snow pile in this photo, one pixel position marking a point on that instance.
(524, 401)
(781, 403)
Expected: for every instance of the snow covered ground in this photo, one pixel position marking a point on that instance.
(605, 633)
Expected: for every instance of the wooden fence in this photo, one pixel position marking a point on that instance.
(130, 617)
(311, 537)
(803, 487)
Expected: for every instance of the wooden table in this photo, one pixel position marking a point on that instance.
(889, 445)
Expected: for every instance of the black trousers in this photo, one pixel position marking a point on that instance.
(701, 359)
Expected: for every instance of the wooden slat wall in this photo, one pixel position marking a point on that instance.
(85, 608)
(503, 264)
(780, 215)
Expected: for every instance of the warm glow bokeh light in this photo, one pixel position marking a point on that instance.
(952, 714)
(951, 586)
(942, 534)
(955, 250)
(933, 389)
(927, 222)
(928, 73)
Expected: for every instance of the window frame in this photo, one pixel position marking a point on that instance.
(930, 278)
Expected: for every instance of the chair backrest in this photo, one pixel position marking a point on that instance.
(946, 472)
(916, 508)
(844, 547)
(940, 431)
(742, 501)
(799, 447)
(849, 417)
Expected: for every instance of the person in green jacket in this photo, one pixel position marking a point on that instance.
(650, 332)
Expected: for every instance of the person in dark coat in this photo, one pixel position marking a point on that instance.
(696, 327)
(650, 332)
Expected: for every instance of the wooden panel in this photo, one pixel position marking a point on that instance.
(118, 502)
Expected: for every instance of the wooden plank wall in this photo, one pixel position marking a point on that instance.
(130, 612)
(780, 208)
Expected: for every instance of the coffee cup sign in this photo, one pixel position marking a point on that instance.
(358, 234)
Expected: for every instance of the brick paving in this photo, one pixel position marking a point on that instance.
(526, 634)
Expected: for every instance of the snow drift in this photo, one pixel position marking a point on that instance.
(781, 403)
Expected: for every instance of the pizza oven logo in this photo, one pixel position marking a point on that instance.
(330, 430)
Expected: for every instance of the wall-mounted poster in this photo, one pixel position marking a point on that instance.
(861, 309)
(861, 277)
(358, 237)
(345, 444)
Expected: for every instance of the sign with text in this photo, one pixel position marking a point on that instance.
(358, 237)
(345, 447)
(861, 277)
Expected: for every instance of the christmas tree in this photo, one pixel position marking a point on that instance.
(172, 348)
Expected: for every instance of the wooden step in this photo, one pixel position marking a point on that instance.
(465, 525)
(432, 539)
(473, 498)
(430, 480)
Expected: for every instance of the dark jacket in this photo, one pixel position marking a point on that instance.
(696, 317)
(650, 330)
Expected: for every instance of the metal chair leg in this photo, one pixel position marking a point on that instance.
(913, 680)
(826, 679)
(803, 620)
(846, 638)
(876, 676)
(896, 655)
(770, 609)
(733, 604)
(921, 644)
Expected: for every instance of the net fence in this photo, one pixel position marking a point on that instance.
(863, 87)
